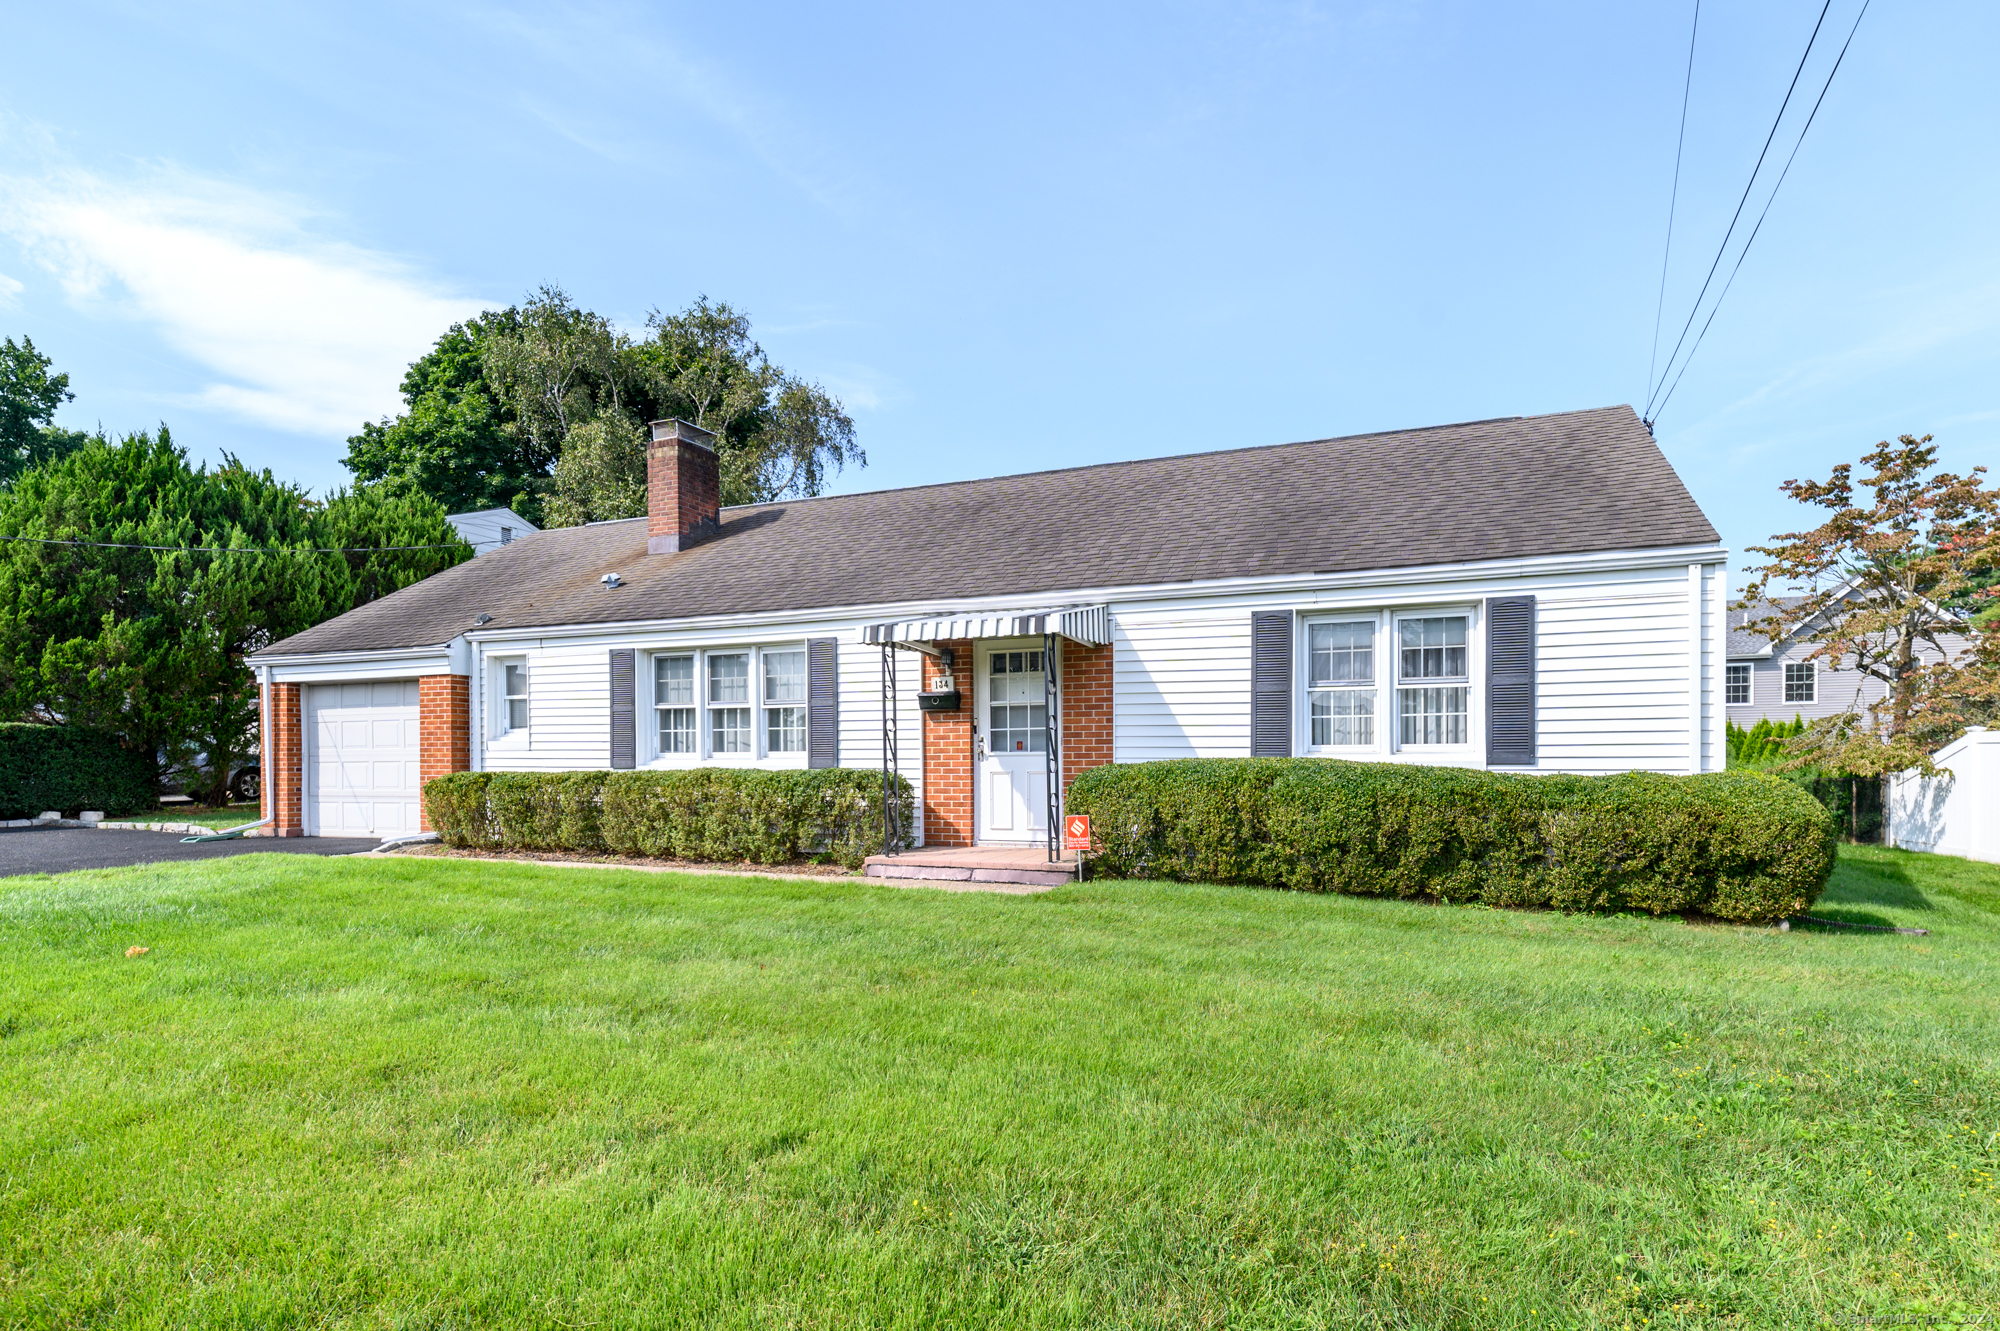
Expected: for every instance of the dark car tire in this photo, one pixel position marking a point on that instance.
(247, 784)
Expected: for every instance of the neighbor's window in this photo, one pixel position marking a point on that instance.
(674, 703)
(1801, 681)
(785, 702)
(1431, 670)
(1736, 688)
(1340, 678)
(514, 696)
(729, 703)
(506, 536)
(1018, 704)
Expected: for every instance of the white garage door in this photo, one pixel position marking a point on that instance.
(364, 758)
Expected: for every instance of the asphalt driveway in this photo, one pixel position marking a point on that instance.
(61, 849)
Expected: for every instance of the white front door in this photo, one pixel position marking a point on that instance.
(1011, 711)
(364, 758)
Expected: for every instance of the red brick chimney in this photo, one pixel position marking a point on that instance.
(683, 487)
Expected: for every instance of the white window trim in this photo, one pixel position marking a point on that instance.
(760, 754)
(1785, 684)
(499, 735)
(1729, 670)
(1388, 745)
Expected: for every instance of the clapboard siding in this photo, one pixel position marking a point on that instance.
(1181, 686)
(569, 717)
(1612, 676)
(861, 715)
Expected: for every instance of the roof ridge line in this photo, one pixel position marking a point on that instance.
(1168, 457)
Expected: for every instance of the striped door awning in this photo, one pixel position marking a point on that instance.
(1086, 624)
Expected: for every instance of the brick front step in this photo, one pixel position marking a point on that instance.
(979, 864)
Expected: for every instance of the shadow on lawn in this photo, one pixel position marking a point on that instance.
(1858, 894)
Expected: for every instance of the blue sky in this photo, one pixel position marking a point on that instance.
(1022, 237)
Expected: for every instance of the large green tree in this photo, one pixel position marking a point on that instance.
(30, 393)
(542, 407)
(144, 582)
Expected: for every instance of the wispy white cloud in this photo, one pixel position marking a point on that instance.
(302, 332)
(10, 290)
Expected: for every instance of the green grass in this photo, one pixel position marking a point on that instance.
(422, 1093)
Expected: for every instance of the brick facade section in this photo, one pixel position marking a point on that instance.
(948, 755)
(444, 729)
(683, 489)
(1086, 708)
(281, 758)
(1086, 735)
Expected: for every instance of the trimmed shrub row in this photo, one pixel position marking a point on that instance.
(70, 768)
(1735, 845)
(704, 813)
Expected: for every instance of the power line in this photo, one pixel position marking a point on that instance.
(1673, 199)
(1748, 185)
(231, 549)
(1767, 208)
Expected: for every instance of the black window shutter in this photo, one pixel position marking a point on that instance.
(624, 748)
(1271, 684)
(822, 702)
(1510, 681)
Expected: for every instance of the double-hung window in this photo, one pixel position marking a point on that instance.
(513, 698)
(1340, 683)
(1801, 681)
(784, 701)
(729, 703)
(674, 704)
(1433, 683)
(1736, 686)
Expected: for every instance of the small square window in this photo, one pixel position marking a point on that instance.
(1801, 681)
(1737, 687)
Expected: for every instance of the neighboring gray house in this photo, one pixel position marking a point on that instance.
(1767, 680)
(490, 528)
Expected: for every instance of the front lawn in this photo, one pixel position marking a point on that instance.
(425, 1093)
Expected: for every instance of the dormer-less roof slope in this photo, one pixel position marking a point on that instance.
(1522, 486)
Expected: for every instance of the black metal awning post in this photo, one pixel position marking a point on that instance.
(1052, 744)
(892, 814)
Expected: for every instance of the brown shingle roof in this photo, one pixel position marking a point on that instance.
(1521, 486)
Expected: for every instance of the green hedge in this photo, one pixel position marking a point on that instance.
(706, 813)
(70, 769)
(1738, 846)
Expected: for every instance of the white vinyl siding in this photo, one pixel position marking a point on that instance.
(1611, 676)
(1181, 686)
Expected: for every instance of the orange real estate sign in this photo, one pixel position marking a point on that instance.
(1076, 831)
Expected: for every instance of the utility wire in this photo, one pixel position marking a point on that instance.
(1767, 208)
(1748, 185)
(1673, 199)
(231, 549)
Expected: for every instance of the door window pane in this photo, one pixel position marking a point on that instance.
(1432, 648)
(1018, 728)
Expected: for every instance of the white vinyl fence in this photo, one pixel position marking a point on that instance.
(1957, 813)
